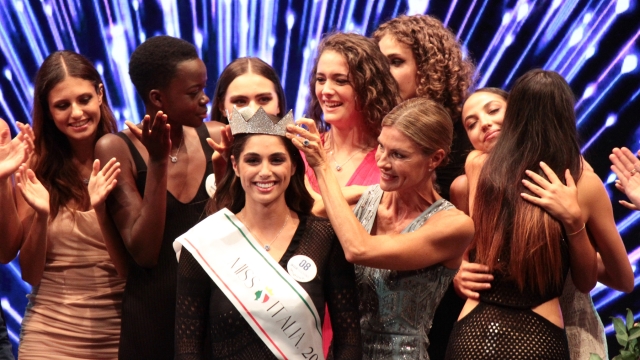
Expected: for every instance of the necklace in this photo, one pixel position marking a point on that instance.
(174, 159)
(267, 247)
(339, 166)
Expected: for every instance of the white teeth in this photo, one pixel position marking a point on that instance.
(332, 104)
(264, 185)
(79, 124)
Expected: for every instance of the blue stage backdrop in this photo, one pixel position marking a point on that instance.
(592, 43)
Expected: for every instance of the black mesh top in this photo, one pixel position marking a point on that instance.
(149, 302)
(504, 290)
(209, 326)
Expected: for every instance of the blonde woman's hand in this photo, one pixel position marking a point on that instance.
(307, 141)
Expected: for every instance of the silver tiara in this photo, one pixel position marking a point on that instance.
(245, 121)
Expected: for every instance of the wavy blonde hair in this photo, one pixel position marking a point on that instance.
(444, 75)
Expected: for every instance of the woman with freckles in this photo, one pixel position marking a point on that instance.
(405, 239)
(75, 303)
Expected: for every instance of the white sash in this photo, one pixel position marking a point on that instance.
(278, 309)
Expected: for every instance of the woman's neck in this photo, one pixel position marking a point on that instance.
(265, 216)
(83, 154)
(347, 140)
(410, 201)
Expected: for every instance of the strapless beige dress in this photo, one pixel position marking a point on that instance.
(75, 311)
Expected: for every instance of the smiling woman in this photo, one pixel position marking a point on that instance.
(265, 216)
(405, 239)
(351, 91)
(75, 304)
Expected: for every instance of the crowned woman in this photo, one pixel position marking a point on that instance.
(254, 277)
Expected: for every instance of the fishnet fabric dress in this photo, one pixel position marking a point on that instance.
(397, 307)
(503, 326)
(208, 326)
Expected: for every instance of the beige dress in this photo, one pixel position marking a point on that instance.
(75, 310)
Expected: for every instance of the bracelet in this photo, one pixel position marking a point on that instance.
(582, 228)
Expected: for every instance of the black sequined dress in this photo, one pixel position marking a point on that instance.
(503, 326)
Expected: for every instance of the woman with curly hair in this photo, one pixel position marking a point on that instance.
(427, 61)
(352, 89)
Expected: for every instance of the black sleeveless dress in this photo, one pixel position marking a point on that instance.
(149, 301)
(503, 326)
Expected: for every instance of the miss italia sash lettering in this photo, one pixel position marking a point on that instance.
(278, 309)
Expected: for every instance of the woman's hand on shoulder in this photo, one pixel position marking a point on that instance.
(472, 278)
(559, 200)
(626, 167)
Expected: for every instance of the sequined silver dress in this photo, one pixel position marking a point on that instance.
(397, 307)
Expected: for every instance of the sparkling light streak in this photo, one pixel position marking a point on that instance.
(578, 38)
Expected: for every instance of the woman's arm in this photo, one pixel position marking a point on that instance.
(140, 220)
(342, 301)
(602, 230)
(192, 303)
(472, 168)
(566, 204)
(33, 253)
(100, 185)
(443, 237)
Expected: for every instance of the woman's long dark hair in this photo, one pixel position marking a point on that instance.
(54, 157)
(539, 125)
(230, 194)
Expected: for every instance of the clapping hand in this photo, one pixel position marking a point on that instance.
(14, 152)
(626, 166)
(154, 136)
(102, 181)
(32, 190)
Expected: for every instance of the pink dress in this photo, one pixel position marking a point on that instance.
(74, 313)
(366, 174)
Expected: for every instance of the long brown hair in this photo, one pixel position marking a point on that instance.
(239, 67)
(369, 74)
(444, 74)
(54, 157)
(231, 195)
(539, 125)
